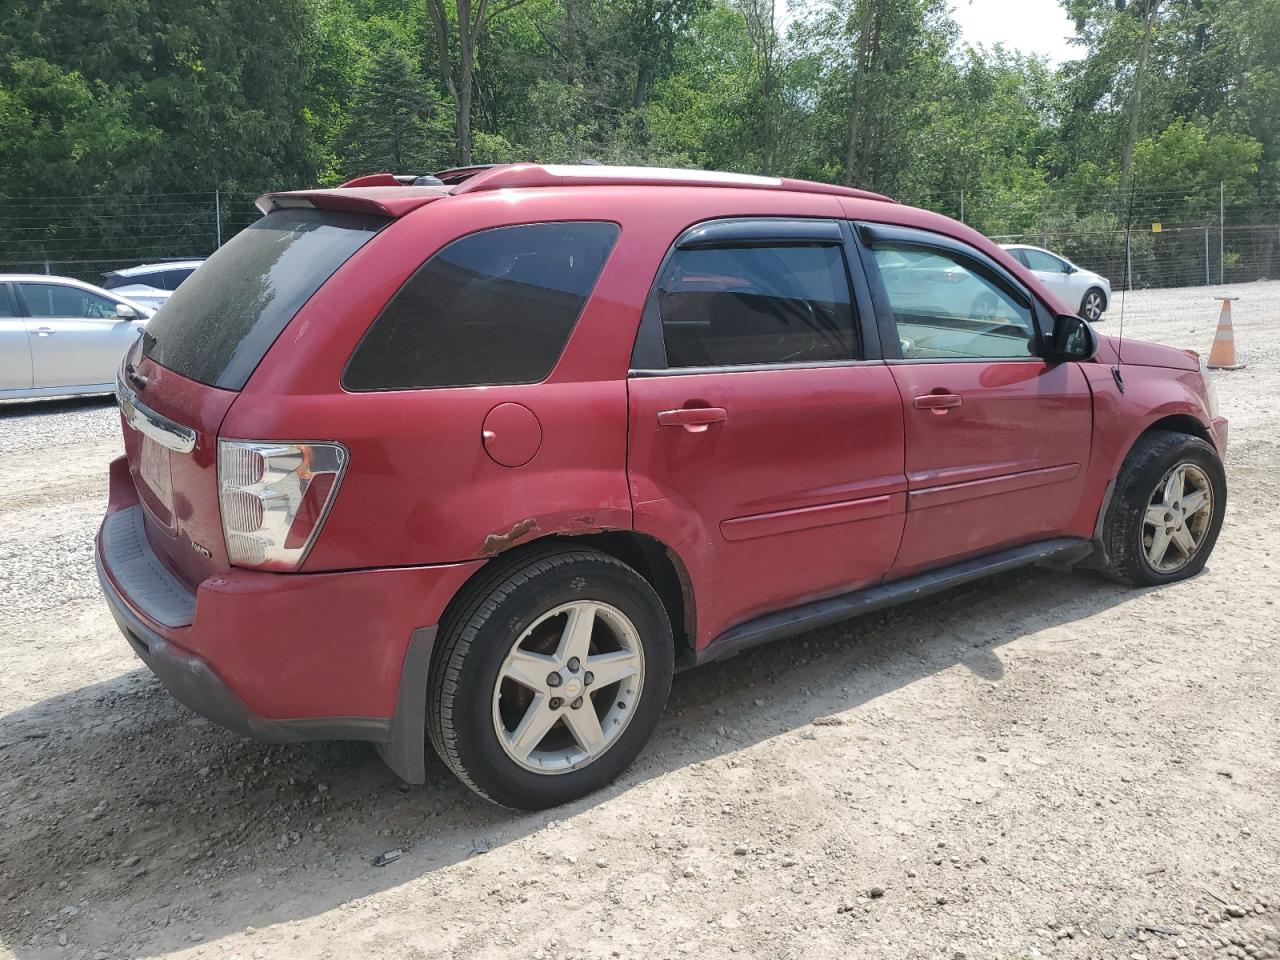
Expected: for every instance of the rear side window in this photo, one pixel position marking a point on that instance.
(172, 279)
(221, 322)
(495, 307)
(7, 309)
(753, 305)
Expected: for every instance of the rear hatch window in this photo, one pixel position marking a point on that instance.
(220, 323)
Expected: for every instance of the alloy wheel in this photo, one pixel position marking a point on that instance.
(568, 687)
(1177, 519)
(1092, 306)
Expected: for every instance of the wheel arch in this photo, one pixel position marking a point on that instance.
(1176, 423)
(1184, 423)
(654, 560)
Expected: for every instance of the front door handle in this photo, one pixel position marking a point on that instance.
(693, 419)
(939, 403)
(45, 331)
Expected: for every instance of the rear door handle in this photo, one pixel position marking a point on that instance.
(938, 402)
(693, 419)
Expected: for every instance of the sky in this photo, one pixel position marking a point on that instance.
(1031, 26)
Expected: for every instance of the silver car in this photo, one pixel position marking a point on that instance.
(60, 336)
(1088, 292)
(150, 284)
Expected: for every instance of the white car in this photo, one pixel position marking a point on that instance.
(1083, 289)
(150, 284)
(60, 336)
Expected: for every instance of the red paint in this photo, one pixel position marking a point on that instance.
(1016, 418)
(770, 487)
(794, 440)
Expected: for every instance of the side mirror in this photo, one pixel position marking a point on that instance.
(1073, 339)
(1068, 268)
(126, 312)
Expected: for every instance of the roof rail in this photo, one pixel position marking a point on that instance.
(507, 176)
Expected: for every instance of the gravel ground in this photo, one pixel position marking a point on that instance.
(1044, 764)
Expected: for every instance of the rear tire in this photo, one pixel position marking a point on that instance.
(1166, 511)
(491, 692)
(1093, 304)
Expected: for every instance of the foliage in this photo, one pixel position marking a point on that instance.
(119, 99)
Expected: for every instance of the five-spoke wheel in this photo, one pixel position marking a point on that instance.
(1166, 510)
(550, 675)
(569, 686)
(1177, 518)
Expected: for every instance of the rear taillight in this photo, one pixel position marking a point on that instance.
(274, 498)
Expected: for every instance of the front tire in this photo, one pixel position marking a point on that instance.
(1166, 511)
(1093, 304)
(550, 678)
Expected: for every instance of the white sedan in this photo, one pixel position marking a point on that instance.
(1085, 290)
(60, 336)
(150, 284)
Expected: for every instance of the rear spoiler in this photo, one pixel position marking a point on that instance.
(382, 200)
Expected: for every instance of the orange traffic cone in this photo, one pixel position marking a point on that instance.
(1223, 354)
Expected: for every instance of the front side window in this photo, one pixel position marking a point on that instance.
(57, 300)
(495, 307)
(751, 305)
(1044, 262)
(946, 309)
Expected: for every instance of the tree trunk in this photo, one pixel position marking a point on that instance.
(857, 105)
(1135, 105)
(466, 79)
(461, 82)
(440, 25)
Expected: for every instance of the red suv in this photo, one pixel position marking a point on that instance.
(483, 463)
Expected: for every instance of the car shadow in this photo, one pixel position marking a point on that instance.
(46, 405)
(129, 824)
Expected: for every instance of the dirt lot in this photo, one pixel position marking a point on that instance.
(1045, 764)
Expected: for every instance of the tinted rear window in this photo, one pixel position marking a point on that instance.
(220, 323)
(491, 308)
(172, 279)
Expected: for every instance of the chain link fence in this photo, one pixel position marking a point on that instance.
(1170, 257)
(1178, 238)
(86, 237)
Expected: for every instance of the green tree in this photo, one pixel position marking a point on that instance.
(395, 119)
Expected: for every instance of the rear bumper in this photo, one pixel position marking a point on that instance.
(192, 681)
(284, 657)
